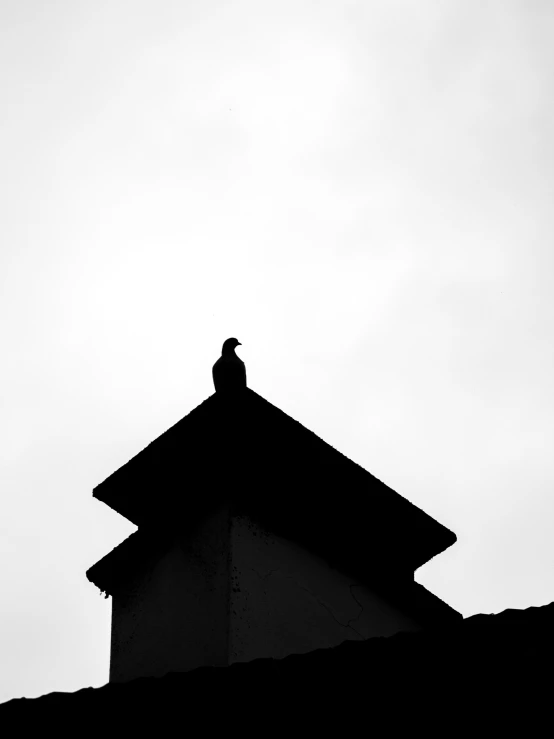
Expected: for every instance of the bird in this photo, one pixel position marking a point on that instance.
(229, 372)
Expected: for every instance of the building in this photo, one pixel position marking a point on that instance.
(269, 590)
(256, 539)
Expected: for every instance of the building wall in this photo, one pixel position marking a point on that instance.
(174, 615)
(231, 592)
(285, 600)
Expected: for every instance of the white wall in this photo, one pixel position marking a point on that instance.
(285, 600)
(231, 592)
(174, 618)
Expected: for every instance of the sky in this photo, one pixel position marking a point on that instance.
(360, 192)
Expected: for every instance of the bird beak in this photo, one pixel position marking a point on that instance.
(238, 343)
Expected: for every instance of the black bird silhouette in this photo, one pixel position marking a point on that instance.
(229, 372)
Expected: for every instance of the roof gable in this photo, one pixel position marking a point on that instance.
(141, 550)
(245, 451)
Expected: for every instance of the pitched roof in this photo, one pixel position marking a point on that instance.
(246, 451)
(480, 674)
(132, 555)
(142, 548)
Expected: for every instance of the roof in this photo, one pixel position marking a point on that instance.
(487, 672)
(131, 556)
(142, 548)
(246, 451)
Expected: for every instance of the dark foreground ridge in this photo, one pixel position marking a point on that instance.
(488, 675)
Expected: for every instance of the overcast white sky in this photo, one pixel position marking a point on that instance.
(361, 192)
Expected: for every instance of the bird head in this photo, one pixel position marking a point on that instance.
(229, 345)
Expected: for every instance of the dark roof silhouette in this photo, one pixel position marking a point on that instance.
(143, 547)
(245, 451)
(489, 672)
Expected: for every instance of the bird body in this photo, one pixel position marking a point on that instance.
(229, 372)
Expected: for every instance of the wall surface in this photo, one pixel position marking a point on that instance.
(285, 600)
(174, 615)
(231, 592)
